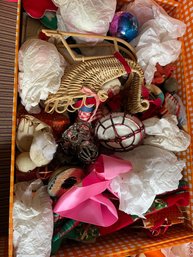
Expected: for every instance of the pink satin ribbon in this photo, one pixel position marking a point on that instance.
(87, 203)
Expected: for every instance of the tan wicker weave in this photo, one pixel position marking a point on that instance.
(93, 73)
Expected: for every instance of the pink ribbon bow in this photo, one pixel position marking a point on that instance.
(87, 203)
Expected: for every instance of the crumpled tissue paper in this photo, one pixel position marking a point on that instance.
(85, 16)
(32, 220)
(155, 171)
(165, 133)
(184, 250)
(41, 68)
(157, 40)
(43, 148)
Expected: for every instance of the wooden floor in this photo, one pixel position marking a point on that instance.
(8, 12)
(3, 246)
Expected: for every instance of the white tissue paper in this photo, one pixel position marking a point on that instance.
(85, 16)
(165, 133)
(182, 117)
(183, 250)
(43, 148)
(142, 10)
(41, 68)
(145, 10)
(32, 220)
(157, 40)
(155, 171)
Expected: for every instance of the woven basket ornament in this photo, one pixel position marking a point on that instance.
(86, 78)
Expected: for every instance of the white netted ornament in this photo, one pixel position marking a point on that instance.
(119, 131)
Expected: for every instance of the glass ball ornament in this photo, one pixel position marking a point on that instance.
(124, 25)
